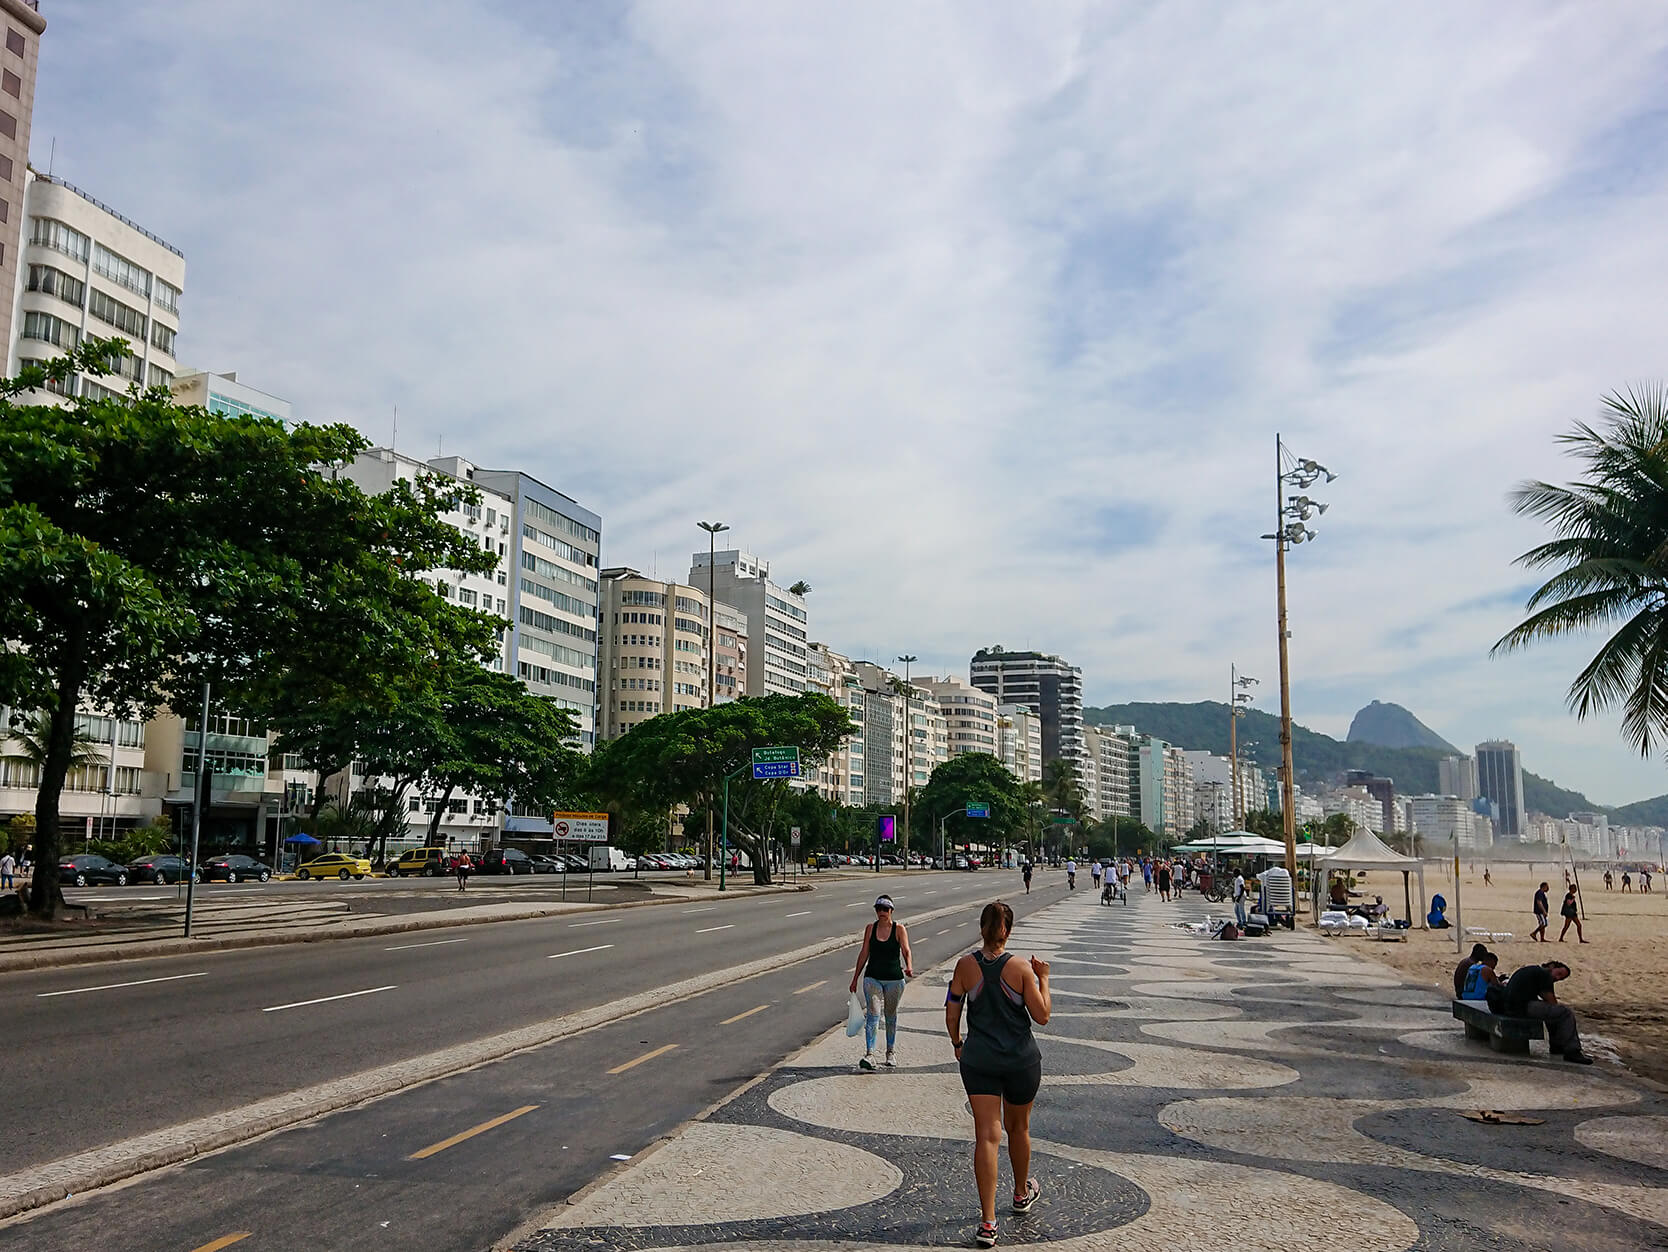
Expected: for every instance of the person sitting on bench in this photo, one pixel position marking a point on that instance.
(1480, 977)
(1529, 993)
(1478, 952)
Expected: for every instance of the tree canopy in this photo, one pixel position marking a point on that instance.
(972, 778)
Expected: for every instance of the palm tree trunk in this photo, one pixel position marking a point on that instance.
(45, 895)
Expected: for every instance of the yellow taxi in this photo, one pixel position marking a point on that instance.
(335, 865)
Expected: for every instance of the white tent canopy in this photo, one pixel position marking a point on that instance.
(1365, 850)
(1241, 841)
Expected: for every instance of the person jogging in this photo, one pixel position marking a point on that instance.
(883, 962)
(1001, 1065)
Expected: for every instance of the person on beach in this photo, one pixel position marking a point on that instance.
(1488, 879)
(1572, 917)
(1001, 1065)
(1529, 993)
(1627, 883)
(1609, 880)
(1543, 912)
(1478, 952)
(883, 963)
(1645, 881)
(464, 868)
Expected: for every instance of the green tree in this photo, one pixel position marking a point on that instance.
(147, 547)
(1265, 822)
(972, 778)
(18, 834)
(1608, 563)
(32, 735)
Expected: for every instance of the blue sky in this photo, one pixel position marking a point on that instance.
(981, 319)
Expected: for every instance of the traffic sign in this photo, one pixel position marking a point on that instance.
(775, 763)
(978, 810)
(580, 827)
(793, 836)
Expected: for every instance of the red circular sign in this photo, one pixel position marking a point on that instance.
(561, 830)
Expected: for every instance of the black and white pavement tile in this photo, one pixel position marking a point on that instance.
(1277, 1093)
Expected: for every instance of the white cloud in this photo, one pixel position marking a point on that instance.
(981, 320)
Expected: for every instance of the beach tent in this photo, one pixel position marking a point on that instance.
(1366, 850)
(1239, 842)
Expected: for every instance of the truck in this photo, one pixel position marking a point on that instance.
(605, 857)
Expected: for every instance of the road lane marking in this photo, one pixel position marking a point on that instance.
(458, 1138)
(112, 986)
(710, 929)
(945, 931)
(346, 995)
(647, 1056)
(730, 1021)
(601, 947)
(856, 904)
(225, 1241)
(708, 909)
(806, 913)
(811, 986)
(432, 943)
(607, 921)
(933, 892)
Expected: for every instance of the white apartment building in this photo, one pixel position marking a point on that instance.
(98, 801)
(969, 714)
(1019, 741)
(88, 272)
(1178, 792)
(1457, 776)
(842, 779)
(1104, 773)
(1447, 820)
(224, 394)
(1359, 804)
(18, 63)
(777, 623)
(653, 654)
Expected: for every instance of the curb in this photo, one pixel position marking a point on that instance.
(148, 949)
(53, 1181)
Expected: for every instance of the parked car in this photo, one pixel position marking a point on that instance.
(430, 862)
(158, 869)
(505, 861)
(548, 864)
(78, 871)
(234, 867)
(334, 865)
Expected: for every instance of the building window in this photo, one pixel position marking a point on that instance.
(5, 169)
(162, 337)
(49, 329)
(121, 316)
(5, 211)
(8, 125)
(14, 43)
(167, 296)
(11, 84)
(156, 376)
(52, 234)
(55, 282)
(118, 269)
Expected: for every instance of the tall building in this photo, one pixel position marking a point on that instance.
(1381, 789)
(1105, 772)
(23, 25)
(1500, 781)
(843, 778)
(1178, 792)
(1048, 686)
(778, 641)
(969, 714)
(1449, 820)
(729, 679)
(1457, 776)
(88, 272)
(1019, 741)
(652, 655)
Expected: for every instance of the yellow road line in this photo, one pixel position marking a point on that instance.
(821, 982)
(225, 1241)
(647, 1056)
(456, 1139)
(728, 1020)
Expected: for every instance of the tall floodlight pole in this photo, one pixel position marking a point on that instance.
(909, 757)
(1289, 518)
(713, 529)
(1238, 698)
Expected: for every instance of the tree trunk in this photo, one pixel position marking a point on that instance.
(434, 820)
(45, 894)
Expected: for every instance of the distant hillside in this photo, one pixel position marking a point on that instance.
(1204, 727)
(1392, 726)
(1652, 812)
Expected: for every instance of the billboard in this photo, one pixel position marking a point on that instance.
(887, 827)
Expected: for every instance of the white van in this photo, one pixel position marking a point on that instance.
(605, 858)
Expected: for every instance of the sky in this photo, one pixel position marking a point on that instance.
(981, 319)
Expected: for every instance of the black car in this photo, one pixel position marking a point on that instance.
(157, 869)
(234, 867)
(505, 861)
(78, 871)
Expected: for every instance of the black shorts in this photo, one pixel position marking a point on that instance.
(1015, 1086)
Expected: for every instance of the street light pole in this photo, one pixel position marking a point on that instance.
(1238, 697)
(909, 756)
(713, 530)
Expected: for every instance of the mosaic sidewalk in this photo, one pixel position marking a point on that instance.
(1273, 1093)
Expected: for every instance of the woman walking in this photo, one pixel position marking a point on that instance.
(1572, 917)
(883, 962)
(1001, 1065)
(1164, 880)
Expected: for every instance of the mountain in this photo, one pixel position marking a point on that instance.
(1392, 726)
(1204, 727)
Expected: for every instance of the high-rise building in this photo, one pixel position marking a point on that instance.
(969, 714)
(1178, 792)
(1019, 741)
(1457, 776)
(729, 678)
(778, 641)
(841, 779)
(652, 653)
(1381, 789)
(1105, 772)
(85, 271)
(1500, 781)
(1448, 819)
(23, 25)
(1048, 686)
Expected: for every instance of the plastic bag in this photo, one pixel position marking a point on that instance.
(854, 1015)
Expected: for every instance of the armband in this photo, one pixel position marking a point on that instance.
(950, 997)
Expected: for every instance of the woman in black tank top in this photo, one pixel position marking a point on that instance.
(1001, 1066)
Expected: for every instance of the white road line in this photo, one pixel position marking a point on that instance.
(933, 892)
(115, 899)
(941, 932)
(112, 986)
(346, 995)
(607, 921)
(856, 904)
(710, 929)
(601, 947)
(708, 909)
(806, 913)
(432, 943)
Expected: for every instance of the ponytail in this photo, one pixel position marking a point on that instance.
(996, 923)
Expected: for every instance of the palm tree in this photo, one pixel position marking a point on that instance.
(801, 588)
(31, 731)
(1610, 563)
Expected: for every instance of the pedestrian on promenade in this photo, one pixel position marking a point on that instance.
(1071, 874)
(1094, 873)
(1529, 993)
(1239, 898)
(1001, 1065)
(8, 867)
(1026, 872)
(1543, 911)
(1164, 880)
(883, 962)
(464, 868)
(1572, 916)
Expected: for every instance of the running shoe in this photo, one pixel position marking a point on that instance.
(1023, 1203)
(867, 1064)
(986, 1235)
(889, 1062)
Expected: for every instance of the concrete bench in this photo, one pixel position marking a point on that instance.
(1504, 1034)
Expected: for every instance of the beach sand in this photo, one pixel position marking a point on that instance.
(1617, 984)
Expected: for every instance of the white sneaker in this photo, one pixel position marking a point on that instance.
(889, 1062)
(867, 1063)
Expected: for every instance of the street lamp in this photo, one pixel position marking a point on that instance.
(1290, 516)
(713, 529)
(909, 757)
(1238, 698)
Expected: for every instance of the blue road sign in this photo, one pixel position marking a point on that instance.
(775, 769)
(978, 810)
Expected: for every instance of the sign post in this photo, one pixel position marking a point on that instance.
(585, 828)
(793, 842)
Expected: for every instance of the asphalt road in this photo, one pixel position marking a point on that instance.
(103, 1052)
(407, 1172)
